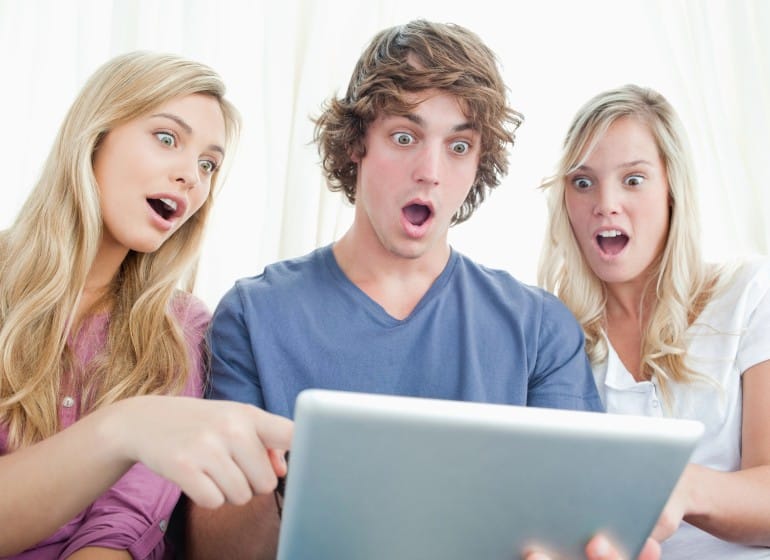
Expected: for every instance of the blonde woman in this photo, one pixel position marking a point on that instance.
(667, 333)
(97, 323)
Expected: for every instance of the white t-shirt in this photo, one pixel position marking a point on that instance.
(730, 335)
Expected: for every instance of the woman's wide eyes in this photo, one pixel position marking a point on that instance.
(208, 166)
(581, 183)
(166, 138)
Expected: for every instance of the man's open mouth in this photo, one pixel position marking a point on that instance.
(417, 214)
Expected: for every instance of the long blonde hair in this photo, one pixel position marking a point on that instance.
(681, 283)
(47, 253)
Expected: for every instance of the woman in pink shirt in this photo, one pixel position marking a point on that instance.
(96, 335)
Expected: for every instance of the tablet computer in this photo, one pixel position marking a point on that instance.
(375, 477)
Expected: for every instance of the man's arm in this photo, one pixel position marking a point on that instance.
(562, 376)
(233, 531)
(249, 531)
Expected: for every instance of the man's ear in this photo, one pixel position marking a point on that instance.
(357, 150)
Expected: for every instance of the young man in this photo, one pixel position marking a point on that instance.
(416, 144)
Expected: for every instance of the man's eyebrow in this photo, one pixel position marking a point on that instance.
(187, 128)
(418, 120)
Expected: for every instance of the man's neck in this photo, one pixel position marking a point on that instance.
(396, 283)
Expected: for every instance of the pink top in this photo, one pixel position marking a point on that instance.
(132, 515)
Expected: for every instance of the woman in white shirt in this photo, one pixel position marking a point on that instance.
(667, 333)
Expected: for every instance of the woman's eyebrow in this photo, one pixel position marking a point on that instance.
(178, 120)
(589, 169)
(634, 163)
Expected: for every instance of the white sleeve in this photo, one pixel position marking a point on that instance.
(754, 346)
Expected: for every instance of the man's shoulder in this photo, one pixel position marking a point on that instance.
(269, 294)
(504, 283)
(286, 275)
(527, 302)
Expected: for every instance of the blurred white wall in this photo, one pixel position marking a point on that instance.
(281, 60)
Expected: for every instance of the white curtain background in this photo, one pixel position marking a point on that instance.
(281, 60)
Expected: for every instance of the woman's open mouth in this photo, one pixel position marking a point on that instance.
(166, 208)
(611, 241)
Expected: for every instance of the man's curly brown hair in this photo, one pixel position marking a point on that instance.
(446, 57)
